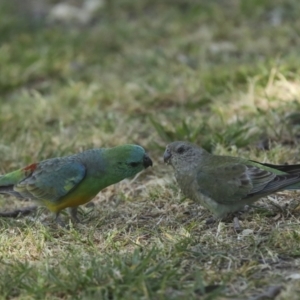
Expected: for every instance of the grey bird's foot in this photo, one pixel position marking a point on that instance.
(210, 221)
(234, 218)
(236, 225)
(228, 219)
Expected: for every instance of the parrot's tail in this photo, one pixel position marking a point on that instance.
(6, 189)
(9, 190)
(293, 187)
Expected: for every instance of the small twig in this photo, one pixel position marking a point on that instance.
(18, 212)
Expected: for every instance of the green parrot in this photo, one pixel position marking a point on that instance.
(69, 181)
(225, 184)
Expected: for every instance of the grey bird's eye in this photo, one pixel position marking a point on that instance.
(180, 150)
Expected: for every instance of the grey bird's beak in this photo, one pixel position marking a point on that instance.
(167, 156)
(147, 162)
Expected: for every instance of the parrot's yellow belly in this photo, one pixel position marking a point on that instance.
(67, 202)
(81, 195)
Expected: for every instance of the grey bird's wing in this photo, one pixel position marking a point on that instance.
(232, 182)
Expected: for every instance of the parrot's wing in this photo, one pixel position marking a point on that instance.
(233, 182)
(52, 179)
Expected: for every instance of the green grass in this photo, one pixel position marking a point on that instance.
(224, 76)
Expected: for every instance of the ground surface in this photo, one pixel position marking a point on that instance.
(225, 76)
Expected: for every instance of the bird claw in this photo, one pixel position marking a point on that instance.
(210, 221)
(73, 213)
(236, 225)
(59, 221)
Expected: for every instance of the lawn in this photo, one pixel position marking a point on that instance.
(222, 74)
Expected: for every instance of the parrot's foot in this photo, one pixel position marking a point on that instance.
(73, 213)
(59, 221)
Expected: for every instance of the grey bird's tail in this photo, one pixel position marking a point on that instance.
(289, 169)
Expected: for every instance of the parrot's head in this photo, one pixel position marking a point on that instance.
(182, 154)
(128, 160)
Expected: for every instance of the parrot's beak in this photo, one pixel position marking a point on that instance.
(167, 156)
(147, 162)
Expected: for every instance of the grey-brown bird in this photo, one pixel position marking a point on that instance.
(225, 184)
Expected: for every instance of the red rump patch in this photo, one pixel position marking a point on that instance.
(30, 168)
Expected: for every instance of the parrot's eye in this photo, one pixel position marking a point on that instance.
(134, 164)
(180, 150)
